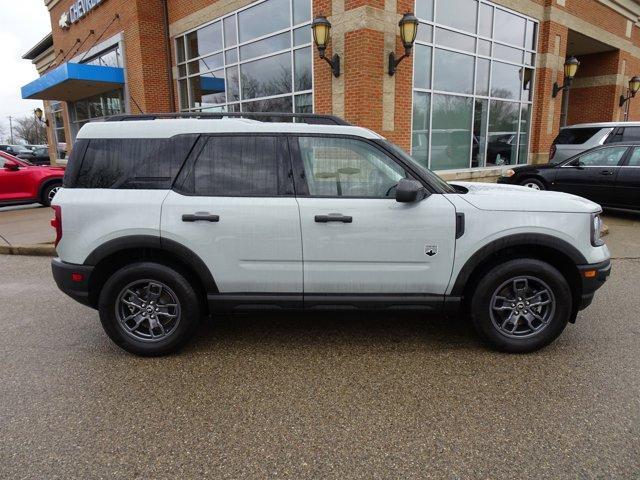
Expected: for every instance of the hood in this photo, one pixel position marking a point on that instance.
(512, 198)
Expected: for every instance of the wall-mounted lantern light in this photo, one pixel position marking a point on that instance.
(571, 65)
(321, 28)
(570, 68)
(634, 86)
(408, 31)
(39, 113)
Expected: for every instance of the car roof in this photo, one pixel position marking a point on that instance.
(165, 128)
(603, 125)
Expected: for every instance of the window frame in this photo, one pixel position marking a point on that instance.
(283, 162)
(529, 57)
(239, 105)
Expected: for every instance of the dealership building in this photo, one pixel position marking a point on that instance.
(476, 93)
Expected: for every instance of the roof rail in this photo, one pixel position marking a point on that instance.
(311, 118)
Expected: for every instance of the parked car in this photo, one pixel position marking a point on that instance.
(608, 174)
(22, 182)
(584, 136)
(37, 156)
(161, 221)
(14, 150)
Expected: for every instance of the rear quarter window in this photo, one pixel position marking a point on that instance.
(129, 163)
(575, 136)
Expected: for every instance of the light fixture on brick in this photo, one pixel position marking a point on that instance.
(634, 86)
(321, 28)
(571, 65)
(408, 31)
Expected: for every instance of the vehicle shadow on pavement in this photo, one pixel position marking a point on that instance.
(265, 331)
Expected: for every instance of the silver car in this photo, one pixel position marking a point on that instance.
(583, 136)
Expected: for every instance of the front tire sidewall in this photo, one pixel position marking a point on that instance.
(481, 305)
(189, 306)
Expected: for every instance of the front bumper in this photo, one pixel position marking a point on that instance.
(593, 277)
(507, 180)
(73, 280)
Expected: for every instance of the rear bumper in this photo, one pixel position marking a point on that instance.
(598, 274)
(76, 286)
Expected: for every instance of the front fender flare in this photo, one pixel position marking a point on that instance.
(532, 240)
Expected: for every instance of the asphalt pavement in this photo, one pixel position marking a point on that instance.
(315, 396)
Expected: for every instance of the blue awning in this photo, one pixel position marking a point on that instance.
(73, 81)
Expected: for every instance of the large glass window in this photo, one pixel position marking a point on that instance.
(473, 84)
(60, 137)
(258, 58)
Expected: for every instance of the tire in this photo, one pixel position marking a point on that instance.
(124, 299)
(533, 183)
(49, 192)
(493, 316)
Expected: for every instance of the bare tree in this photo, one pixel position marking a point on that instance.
(31, 130)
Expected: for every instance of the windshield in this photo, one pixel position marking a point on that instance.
(432, 177)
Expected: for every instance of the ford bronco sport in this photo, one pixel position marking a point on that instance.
(162, 220)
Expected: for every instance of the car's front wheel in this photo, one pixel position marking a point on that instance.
(533, 183)
(521, 305)
(149, 309)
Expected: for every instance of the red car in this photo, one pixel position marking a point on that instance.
(22, 182)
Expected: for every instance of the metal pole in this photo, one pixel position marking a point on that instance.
(11, 128)
(626, 107)
(565, 102)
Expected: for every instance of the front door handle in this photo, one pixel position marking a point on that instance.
(333, 217)
(606, 172)
(200, 217)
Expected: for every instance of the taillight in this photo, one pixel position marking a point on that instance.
(56, 222)
(552, 151)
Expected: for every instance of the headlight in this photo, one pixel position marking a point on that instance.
(508, 173)
(596, 230)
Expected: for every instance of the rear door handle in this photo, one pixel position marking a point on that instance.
(606, 172)
(333, 217)
(200, 217)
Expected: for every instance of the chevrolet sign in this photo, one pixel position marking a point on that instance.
(77, 10)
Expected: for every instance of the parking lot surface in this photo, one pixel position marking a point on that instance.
(315, 396)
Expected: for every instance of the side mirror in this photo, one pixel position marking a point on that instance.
(12, 167)
(409, 190)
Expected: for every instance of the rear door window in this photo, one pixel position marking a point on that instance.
(575, 136)
(130, 163)
(240, 166)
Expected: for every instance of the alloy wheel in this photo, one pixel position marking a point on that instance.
(535, 186)
(52, 193)
(522, 307)
(148, 310)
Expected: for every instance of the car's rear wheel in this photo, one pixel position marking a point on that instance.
(521, 305)
(49, 193)
(533, 183)
(149, 309)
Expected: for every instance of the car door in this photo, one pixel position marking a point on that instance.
(357, 240)
(626, 191)
(591, 175)
(14, 184)
(233, 205)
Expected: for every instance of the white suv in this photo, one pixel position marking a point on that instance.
(164, 220)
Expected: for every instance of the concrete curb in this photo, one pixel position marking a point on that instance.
(33, 250)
